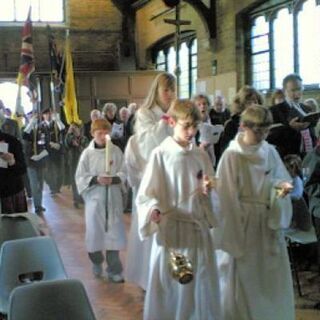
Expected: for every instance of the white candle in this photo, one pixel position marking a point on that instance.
(108, 154)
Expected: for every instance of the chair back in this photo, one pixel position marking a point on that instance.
(12, 228)
(24, 261)
(50, 300)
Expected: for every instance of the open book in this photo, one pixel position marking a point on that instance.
(312, 117)
(210, 133)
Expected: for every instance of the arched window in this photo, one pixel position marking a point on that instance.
(165, 60)
(283, 45)
(283, 39)
(309, 44)
(161, 61)
(42, 10)
(184, 75)
(260, 53)
(171, 60)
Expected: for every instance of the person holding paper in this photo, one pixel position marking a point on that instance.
(294, 136)
(219, 115)
(101, 191)
(205, 135)
(12, 169)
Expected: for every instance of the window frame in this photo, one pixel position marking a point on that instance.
(36, 22)
(168, 42)
(269, 10)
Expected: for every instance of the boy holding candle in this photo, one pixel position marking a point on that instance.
(253, 187)
(99, 178)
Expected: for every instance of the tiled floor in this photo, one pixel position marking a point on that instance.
(110, 301)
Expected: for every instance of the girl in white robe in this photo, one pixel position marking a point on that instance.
(254, 270)
(151, 128)
(103, 201)
(173, 211)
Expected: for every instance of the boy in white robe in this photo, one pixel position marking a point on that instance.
(253, 184)
(105, 229)
(175, 206)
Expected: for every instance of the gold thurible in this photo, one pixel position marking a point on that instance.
(180, 267)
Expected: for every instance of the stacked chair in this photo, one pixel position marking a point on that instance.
(50, 300)
(33, 281)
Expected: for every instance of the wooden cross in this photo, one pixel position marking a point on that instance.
(177, 22)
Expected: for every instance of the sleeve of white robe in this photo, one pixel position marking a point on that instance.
(151, 131)
(135, 164)
(231, 234)
(83, 176)
(280, 208)
(151, 195)
(212, 209)
(120, 166)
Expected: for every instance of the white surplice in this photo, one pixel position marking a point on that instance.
(172, 176)
(138, 251)
(150, 131)
(102, 233)
(255, 273)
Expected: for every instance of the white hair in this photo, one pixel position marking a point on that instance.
(124, 109)
(95, 113)
(109, 106)
(132, 107)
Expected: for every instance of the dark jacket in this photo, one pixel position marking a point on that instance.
(312, 184)
(286, 139)
(12, 177)
(219, 117)
(231, 129)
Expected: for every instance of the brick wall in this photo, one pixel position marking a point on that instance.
(226, 49)
(95, 31)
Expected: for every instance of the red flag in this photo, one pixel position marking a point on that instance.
(27, 64)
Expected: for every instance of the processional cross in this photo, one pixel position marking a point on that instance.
(178, 23)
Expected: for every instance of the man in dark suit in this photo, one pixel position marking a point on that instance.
(291, 136)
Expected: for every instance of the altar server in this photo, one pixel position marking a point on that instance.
(99, 178)
(176, 208)
(253, 184)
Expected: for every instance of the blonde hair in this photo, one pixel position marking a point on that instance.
(184, 109)
(165, 80)
(311, 104)
(100, 124)
(243, 96)
(256, 116)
